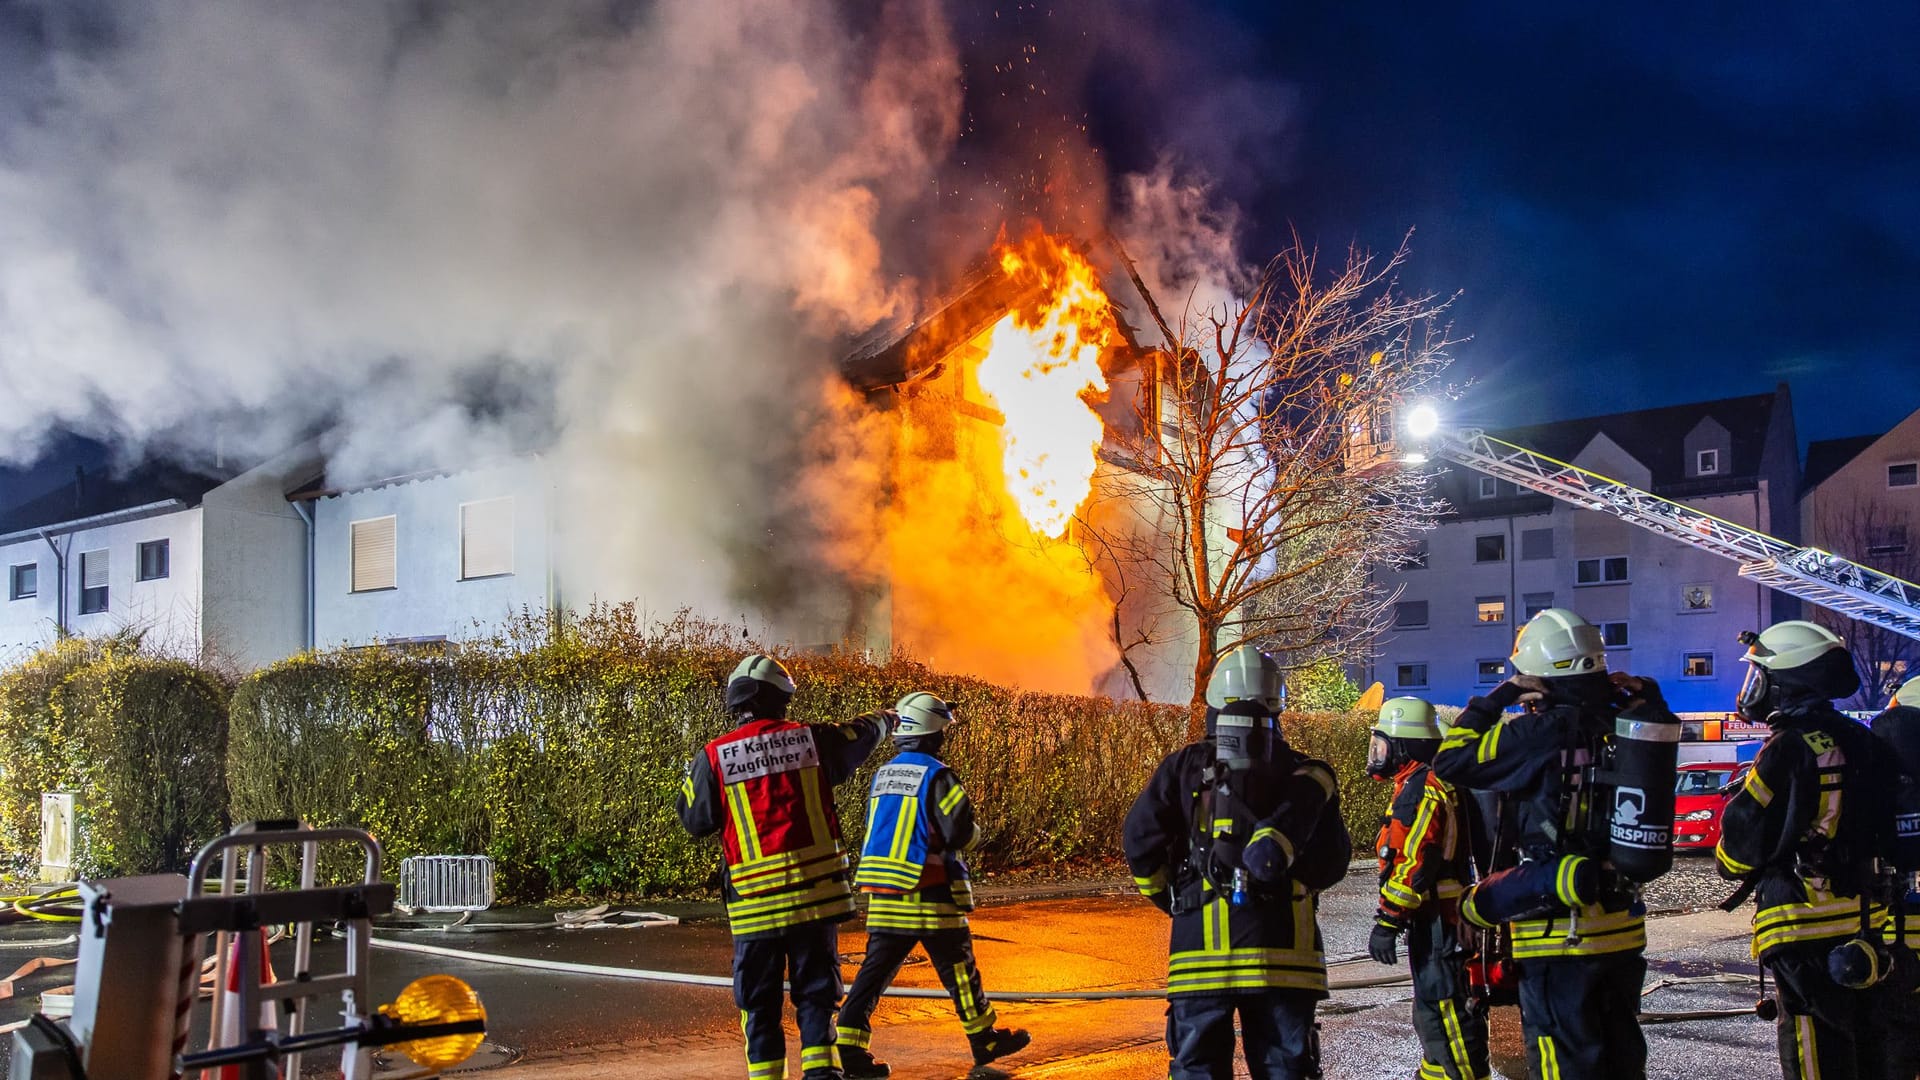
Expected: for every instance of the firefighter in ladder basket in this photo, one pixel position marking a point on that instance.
(1235, 837)
(767, 788)
(1588, 771)
(1802, 835)
(1425, 864)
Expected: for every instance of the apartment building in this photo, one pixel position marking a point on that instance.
(1665, 609)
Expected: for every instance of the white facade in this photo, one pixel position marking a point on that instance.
(167, 608)
(431, 594)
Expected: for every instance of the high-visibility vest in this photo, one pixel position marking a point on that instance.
(899, 841)
(781, 829)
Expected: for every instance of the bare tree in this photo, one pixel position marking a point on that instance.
(1264, 457)
(1875, 535)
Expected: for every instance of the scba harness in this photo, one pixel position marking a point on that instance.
(1224, 821)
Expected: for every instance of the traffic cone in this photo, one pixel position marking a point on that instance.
(230, 1033)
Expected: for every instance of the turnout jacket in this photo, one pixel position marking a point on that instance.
(919, 820)
(1271, 942)
(1803, 827)
(1423, 846)
(766, 788)
(1535, 760)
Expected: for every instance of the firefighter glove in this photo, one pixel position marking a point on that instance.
(1383, 944)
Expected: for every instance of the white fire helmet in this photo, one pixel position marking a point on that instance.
(921, 713)
(1908, 694)
(1795, 643)
(763, 668)
(1557, 642)
(1246, 674)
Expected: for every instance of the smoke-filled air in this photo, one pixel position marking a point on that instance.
(637, 241)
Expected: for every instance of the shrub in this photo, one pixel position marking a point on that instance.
(1340, 739)
(140, 740)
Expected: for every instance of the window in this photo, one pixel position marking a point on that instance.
(1906, 474)
(373, 554)
(1490, 672)
(1409, 614)
(23, 581)
(1536, 544)
(1490, 548)
(1613, 635)
(1696, 597)
(1887, 540)
(1696, 665)
(1706, 462)
(1489, 487)
(1410, 676)
(1608, 571)
(1534, 603)
(154, 560)
(1417, 556)
(486, 538)
(1490, 609)
(93, 582)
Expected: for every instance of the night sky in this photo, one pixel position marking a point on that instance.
(1639, 207)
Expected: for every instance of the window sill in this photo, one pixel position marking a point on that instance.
(162, 577)
(486, 577)
(1600, 584)
(381, 589)
(1422, 626)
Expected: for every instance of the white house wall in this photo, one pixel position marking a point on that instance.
(166, 609)
(254, 604)
(428, 599)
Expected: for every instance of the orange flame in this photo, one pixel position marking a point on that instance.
(1041, 369)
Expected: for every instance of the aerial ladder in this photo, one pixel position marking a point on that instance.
(1816, 576)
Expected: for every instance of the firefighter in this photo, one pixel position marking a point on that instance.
(919, 820)
(1235, 837)
(767, 788)
(1578, 930)
(1801, 836)
(1425, 864)
(1898, 729)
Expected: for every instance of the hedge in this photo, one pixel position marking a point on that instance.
(558, 750)
(139, 739)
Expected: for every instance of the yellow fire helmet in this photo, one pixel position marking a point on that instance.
(1407, 718)
(1558, 642)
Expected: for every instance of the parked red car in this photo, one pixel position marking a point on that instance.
(1700, 794)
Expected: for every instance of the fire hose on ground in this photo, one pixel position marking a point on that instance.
(1399, 978)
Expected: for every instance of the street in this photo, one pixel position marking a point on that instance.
(568, 1026)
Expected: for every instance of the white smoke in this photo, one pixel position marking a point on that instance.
(651, 217)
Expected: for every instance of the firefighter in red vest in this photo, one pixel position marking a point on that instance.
(767, 788)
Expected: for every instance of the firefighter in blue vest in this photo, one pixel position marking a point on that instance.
(1235, 837)
(767, 788)
(919, 820)
(1801, 835)
(1425, 865)
(1577, 926)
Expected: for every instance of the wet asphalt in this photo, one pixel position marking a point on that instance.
(563, 1026)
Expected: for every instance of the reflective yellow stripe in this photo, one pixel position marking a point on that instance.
(824, 899)
(1215, 971)
(1490, 743)
(744, 829)
(1320, 775)
(766, 1070)
(1398, 889)
(1733, 866)
(1549, 1059)
(756, 877)
(686, 789)
(1594, 932)
(1279, 838)
(952, 799)
(1809, 1050)
(1430, 1071)
(816, 806)
(1456, 1039)
(1152, 883)
(907, 816)
(1823, 916)
(1757, 787)
(859, 1038)
(914, 914)
(819, 1057)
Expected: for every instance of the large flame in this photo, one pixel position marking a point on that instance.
(1042, 367)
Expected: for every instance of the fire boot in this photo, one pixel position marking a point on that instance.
(998, 1043)
(858, 1064)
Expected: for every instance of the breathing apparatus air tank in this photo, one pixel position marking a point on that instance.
(1234, 747)
(1639, 785)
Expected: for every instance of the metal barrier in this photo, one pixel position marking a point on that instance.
(446, 883)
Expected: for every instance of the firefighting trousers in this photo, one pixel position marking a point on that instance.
(807, 956)
(1900, 1023)
(1453, 1040)
(1826, 1031)
(1276, 1025)
(951, 952)
(1580, 1017)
